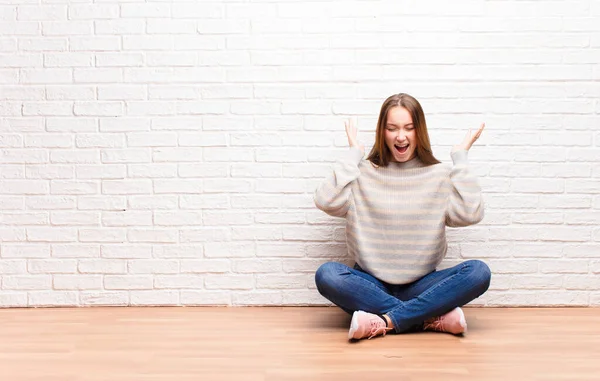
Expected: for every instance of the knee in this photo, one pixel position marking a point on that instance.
(481, 273)
(327, 276)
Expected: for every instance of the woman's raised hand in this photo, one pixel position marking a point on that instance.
(352, 133)
(469, 139)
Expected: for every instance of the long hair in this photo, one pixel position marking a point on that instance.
(380, 154)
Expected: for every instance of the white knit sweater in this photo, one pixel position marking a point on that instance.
(396, 215)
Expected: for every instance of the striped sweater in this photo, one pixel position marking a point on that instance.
(396, 215)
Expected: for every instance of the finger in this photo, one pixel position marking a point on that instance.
(480, 130)
(468, 138)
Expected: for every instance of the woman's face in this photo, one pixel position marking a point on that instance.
(400, 134)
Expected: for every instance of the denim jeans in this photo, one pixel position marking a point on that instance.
(407, 305)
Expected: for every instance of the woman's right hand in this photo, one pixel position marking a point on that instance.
(352, 133)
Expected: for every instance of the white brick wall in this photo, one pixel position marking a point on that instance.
(166, 152)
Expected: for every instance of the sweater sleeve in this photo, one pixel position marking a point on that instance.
(333, 195)
(465, 205)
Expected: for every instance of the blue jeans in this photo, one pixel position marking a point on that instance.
(407, 305)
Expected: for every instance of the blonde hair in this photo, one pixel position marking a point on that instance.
(380, 153)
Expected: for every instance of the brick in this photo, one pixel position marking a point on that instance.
(303, 298)
(26, 282)
(180, 218)
(130, 92)
(127, 218)
(205, 298)
(227, 186)
(250, 266)
(229, 282)
(48, 108)
(71, 125)
(77, 282)
(104, 298)
(226, 218)
(52, 298)
(154, 266)
(105, 171)
(51, 234)
(93, 12)
(119, 26)
(280, 282)
(98, 109)
(179, 281)
(152, 139)
(280, 218)
(73, 93)
(152, 202)
(98, 75)
(125, 124)
(24, 218)
(128, 282)
(94, 44)
(205, 234)
(79, 218)
(127, 187)
(257, 298)
(101, 202)
(258, 233)
(152, 170)
(185, 186)
(178, 251)
(72, 187)
(68, 60)
(207, 266)
(152, 236)
(41, 13)
(102, 266)
(49, 172)
(564, 266)
(204, 201)
(228, 250)
(13, 299)
(119, 59)
(17, 266)
(177, 154)
(134, 251)
(75, 251)
(154, 298)
(70, 28)
(101, 235)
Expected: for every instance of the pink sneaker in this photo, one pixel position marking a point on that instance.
(364, 324)
(452, 322)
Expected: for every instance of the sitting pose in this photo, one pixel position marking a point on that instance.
(397, 204)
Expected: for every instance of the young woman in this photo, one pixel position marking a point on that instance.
(397, 204)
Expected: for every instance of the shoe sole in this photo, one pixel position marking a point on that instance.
(463, 320)
(353, 325)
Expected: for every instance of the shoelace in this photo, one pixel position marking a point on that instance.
(435, 325)
(377, 328)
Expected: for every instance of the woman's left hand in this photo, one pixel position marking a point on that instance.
(469, 139)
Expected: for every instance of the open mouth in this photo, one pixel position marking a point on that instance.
(401, 148)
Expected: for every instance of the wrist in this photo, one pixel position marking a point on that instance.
(459, 156)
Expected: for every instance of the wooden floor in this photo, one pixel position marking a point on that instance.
(304, 343)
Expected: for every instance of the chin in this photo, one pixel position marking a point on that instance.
(405, 158)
